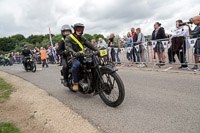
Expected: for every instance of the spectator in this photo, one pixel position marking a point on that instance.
(178, 44)
(159, 33)
(87, 50)
(129, 45)
(101, 44)
(56, 53)
(51, 56)
(18, 58)
(141, 52)
(94, 43)
(43, 57)
(135, 53)
(113, 42)
(196, 33)
(1, 60)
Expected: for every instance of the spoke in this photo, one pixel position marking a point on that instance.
(115, 93)
(113, 83)
(108, 77)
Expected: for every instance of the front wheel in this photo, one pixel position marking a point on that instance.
(113, 94)
(34, 67)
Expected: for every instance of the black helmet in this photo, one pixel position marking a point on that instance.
(78, 25)
(65, 28)
(25, 46)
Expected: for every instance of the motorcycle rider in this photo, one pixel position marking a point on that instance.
(26, 52)
(6, 60)
(65, 31)
(75, 43)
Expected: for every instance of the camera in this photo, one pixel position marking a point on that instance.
(189, 22)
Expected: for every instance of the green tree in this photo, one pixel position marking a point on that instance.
(33, 39)
(18, 37)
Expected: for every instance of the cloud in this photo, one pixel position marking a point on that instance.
(99, 16)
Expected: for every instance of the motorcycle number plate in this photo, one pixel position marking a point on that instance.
(103, 52)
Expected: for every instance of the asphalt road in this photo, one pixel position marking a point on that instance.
(155, 102)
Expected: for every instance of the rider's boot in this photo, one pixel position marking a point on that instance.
(75, 86)
(65, 83)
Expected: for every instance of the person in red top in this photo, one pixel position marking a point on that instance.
(43, 57)
(135, 53)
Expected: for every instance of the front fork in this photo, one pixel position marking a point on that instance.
(99, 77)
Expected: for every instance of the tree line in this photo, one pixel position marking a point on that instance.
(16, 42)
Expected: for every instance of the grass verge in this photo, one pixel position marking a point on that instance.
(8, 128)
(5, 90)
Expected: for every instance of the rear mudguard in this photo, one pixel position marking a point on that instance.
(108, 69)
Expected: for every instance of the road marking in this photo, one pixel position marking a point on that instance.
(38, 69)
(168, 69)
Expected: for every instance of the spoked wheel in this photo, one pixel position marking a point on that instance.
(113, 94)
(34, 67)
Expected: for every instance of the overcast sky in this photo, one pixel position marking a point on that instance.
(99, 16)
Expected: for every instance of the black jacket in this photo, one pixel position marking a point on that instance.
(61, 48)
(135, 39)
(160, 34)
(26, 52)
(72, 46)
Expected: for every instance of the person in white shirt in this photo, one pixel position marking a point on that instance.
(101, 44)
(181, 31)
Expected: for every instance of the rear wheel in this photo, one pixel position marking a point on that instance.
(113, 94)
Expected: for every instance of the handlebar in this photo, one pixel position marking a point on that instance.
(90, 54)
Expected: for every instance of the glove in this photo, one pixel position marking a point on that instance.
(77, 54)
(65, 53)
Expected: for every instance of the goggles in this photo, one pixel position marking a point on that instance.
(79, 29)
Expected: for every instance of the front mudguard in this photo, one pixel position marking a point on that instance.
(108, 69)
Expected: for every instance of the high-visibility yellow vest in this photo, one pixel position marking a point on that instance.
(6, 58)
(80, 45)
(63, 39)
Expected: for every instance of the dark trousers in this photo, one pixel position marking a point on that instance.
(24, 62)
(181, 56)
(171, 55)
(64, 68)
(44, 62)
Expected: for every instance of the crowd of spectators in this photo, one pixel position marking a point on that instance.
(135, 46)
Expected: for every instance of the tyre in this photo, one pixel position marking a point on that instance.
(34, 67)
(113, 85)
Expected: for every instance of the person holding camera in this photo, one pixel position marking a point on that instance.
(196, 33)
(178, 44)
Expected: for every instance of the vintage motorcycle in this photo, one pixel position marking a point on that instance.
(31, 65)
(98, 76)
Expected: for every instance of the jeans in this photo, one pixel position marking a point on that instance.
(18, 60)
(129, 56)
(135, 53)
(117, 57)
(75, 70)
